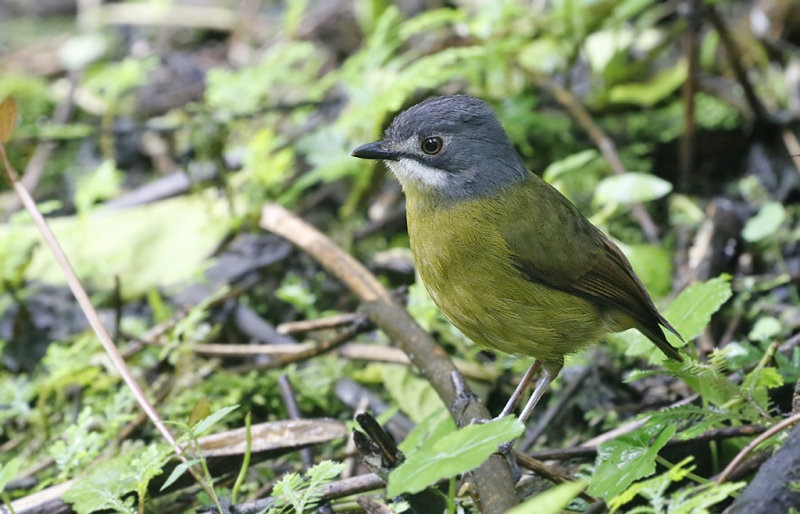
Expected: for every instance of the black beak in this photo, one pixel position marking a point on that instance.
(376, 150)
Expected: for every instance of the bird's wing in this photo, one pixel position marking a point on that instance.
(596, 270)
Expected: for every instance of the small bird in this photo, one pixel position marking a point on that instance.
(506, 257)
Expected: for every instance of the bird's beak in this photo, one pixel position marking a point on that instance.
(375, 150)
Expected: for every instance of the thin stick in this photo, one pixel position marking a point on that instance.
(735, 60)
(548, 472)
(294, 413)
(309, 325)
(786, 423)
(603, 142)
(689, 88)
(89, 311)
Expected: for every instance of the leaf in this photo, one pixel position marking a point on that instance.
(104, 183)
(765, 223)
(413, 395)
(8, 471)
(201, 410)
(179, 470)
(103, 487)
(543, 55)
(653, 265)
(130, 243)
(649, 93)
(689, 313)
(8, 117)
(551, 501)
(437, 425)
(204, 425)
(568, 164)
(628, 458)
(456, 453)
(766, 327)
(631, 188)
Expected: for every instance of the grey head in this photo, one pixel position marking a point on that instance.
(453, 147)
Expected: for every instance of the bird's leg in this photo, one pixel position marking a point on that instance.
(463, 396)
(549, 373)
(520, 390)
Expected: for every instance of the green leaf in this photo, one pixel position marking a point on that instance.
(631, 188)
(9, 471)
(765, 223)
(456, 453)
(104, 183)
(569, 164)
(413, 395)
(650, 93)
(552, 501)
(179, 470)
(628, 458)
(130, 243)
(204, 425)
(766, 327)
(543, 55)
(689, 313)
(437, 425)
(103, 487)
(653, 265)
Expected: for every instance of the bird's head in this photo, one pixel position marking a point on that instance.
(452, 147)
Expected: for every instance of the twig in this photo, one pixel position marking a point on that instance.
(304, 354)
(548, 472)
(214, 18)
(735, 60)
(370, 506)
(786, 423)
(584, 452)
(688, 91)
(792, 146)
(310, 325)
(603, 142)
(89, 311)
(294, 413)
(493, 478)
(248, 350)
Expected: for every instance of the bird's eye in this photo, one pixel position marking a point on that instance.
(432, 145)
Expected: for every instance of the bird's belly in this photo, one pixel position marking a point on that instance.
(486, 298)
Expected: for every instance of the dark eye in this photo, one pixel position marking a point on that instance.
(432, 145)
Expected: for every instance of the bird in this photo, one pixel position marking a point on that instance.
(509, 260)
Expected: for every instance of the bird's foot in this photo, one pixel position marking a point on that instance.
(463, 396)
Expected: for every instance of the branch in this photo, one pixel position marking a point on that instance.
(493, 478)
(603, 142)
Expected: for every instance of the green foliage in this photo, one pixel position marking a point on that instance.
(765, 223)
(130, 243)
(657, 89)
(280, 113)
(103, 184)
(553, 501)
(114, 81)
(628, 458)
(452, 454)
(689, 313)
(413, 395)
(295, 494)
(686, 500)
(631, 188)
(104, 487)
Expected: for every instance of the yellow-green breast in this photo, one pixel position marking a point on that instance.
(465, 263)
